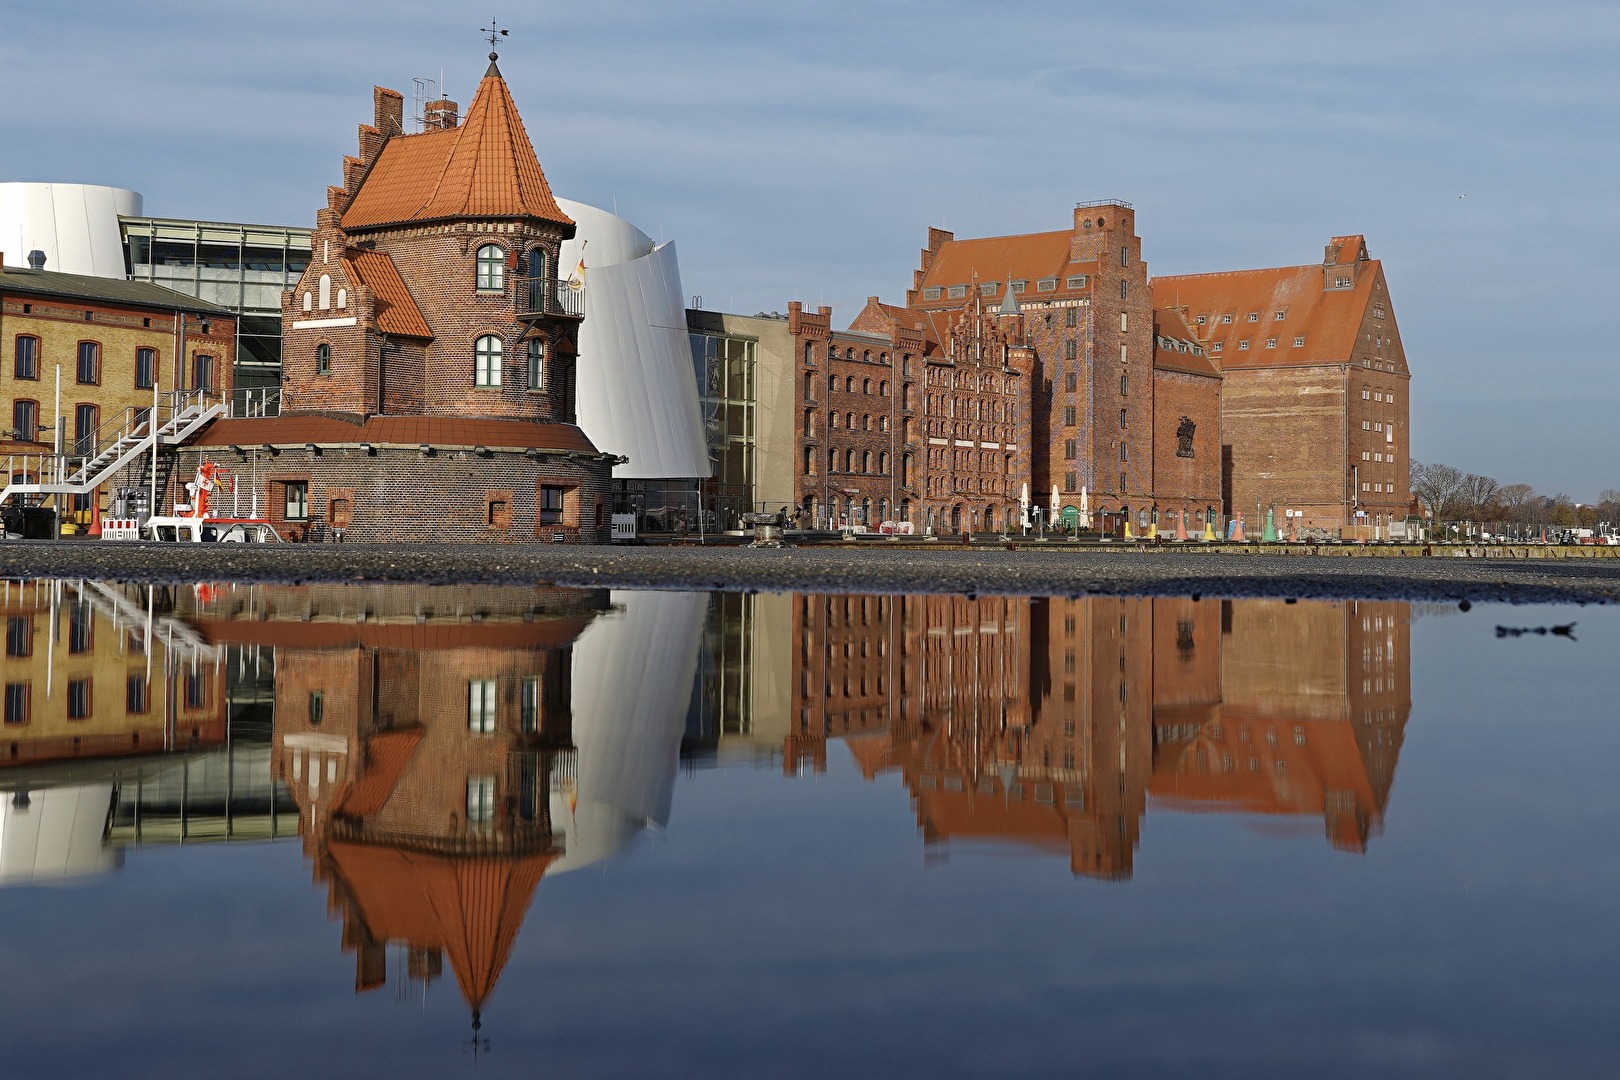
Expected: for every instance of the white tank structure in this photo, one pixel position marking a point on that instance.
(632, 682)
(637, 395)
(75, 225)
(55, 836)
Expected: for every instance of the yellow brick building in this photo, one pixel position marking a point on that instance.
(111, 343)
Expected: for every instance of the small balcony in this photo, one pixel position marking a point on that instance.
(539, 297)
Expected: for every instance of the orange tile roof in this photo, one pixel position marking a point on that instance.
(486, 167)
(397, 312)
(296, 429)
(387, 754)
(1029, 257)
(470, 907)
(414, 637)
(1328, 319)
(1169, 323)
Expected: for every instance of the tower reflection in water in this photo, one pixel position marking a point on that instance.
(446, 748)
(438, 750)
(1055, 723)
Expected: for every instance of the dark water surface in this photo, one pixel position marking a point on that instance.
(272, 831)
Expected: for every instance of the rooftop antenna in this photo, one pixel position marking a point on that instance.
(423, 90)
(495, 34)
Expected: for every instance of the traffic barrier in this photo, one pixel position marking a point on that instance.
(120, 529)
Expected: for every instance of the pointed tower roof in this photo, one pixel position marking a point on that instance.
(1009, 303)
(484, 168)
(469, 906)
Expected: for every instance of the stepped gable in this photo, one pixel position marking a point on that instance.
(397, 312)
(484, 168)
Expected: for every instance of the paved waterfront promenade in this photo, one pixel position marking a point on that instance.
(865, 567)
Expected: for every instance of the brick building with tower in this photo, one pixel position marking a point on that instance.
(1022, 369)
(429, 349)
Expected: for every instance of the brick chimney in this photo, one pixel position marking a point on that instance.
(440, 115)
(388, 106)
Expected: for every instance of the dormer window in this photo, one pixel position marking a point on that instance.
(1226, 318)
(1254, 316)
(1202, 319)
(1020, 285)
(988, 288)
(1076, 281)
(1243, 346)
(1046, 284)
(957, 292)
(932, 292)
(491, 268)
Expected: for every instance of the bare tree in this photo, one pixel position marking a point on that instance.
(1517, 502)
(1439, 488)
(1476, 496)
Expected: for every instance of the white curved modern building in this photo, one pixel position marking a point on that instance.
(75, 225)
(637, 393)
(627, 731)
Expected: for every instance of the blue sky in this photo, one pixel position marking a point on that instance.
(802, 152)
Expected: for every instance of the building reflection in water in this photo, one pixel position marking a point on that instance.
(447, 747)
(439, 750)
(112, 708)
(1052, 723)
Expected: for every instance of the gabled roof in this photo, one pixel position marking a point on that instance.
(1168, 323)
(387, 754)
(397, 312)
(484, 168)
(1029, 257)
(1328, 319)
(50, 283)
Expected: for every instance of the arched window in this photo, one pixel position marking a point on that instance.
(866, 423)
(309, 300)
(849, 354)
(326, 291)
(487, 361)
(849, 385)
(867, 356)
(866, 386)
(343, 299)
(537, 364)
(832, 461)
(883, 423)
(832, 383)
(809, 461)
(866, 462)
(491, 268)
(883, 462)
(849, 461)
(809, 386)
(849, 421)
(323, 359)
(809, 352)
(883, 388)
(809, 423)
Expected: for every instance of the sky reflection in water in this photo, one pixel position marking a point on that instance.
(676, 834)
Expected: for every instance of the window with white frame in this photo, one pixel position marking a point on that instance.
(491, 268)
(480, 800)
(537, 364)
(481, 706)
(487, 361)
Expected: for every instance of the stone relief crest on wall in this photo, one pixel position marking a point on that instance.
(1184, 437)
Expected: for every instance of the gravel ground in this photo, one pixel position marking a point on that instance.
(833, 569)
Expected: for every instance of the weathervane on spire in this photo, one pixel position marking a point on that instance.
(495, 34)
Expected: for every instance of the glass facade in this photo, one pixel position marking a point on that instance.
(242, 267)
(724, 367)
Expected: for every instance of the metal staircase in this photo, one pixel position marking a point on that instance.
(135, 432)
